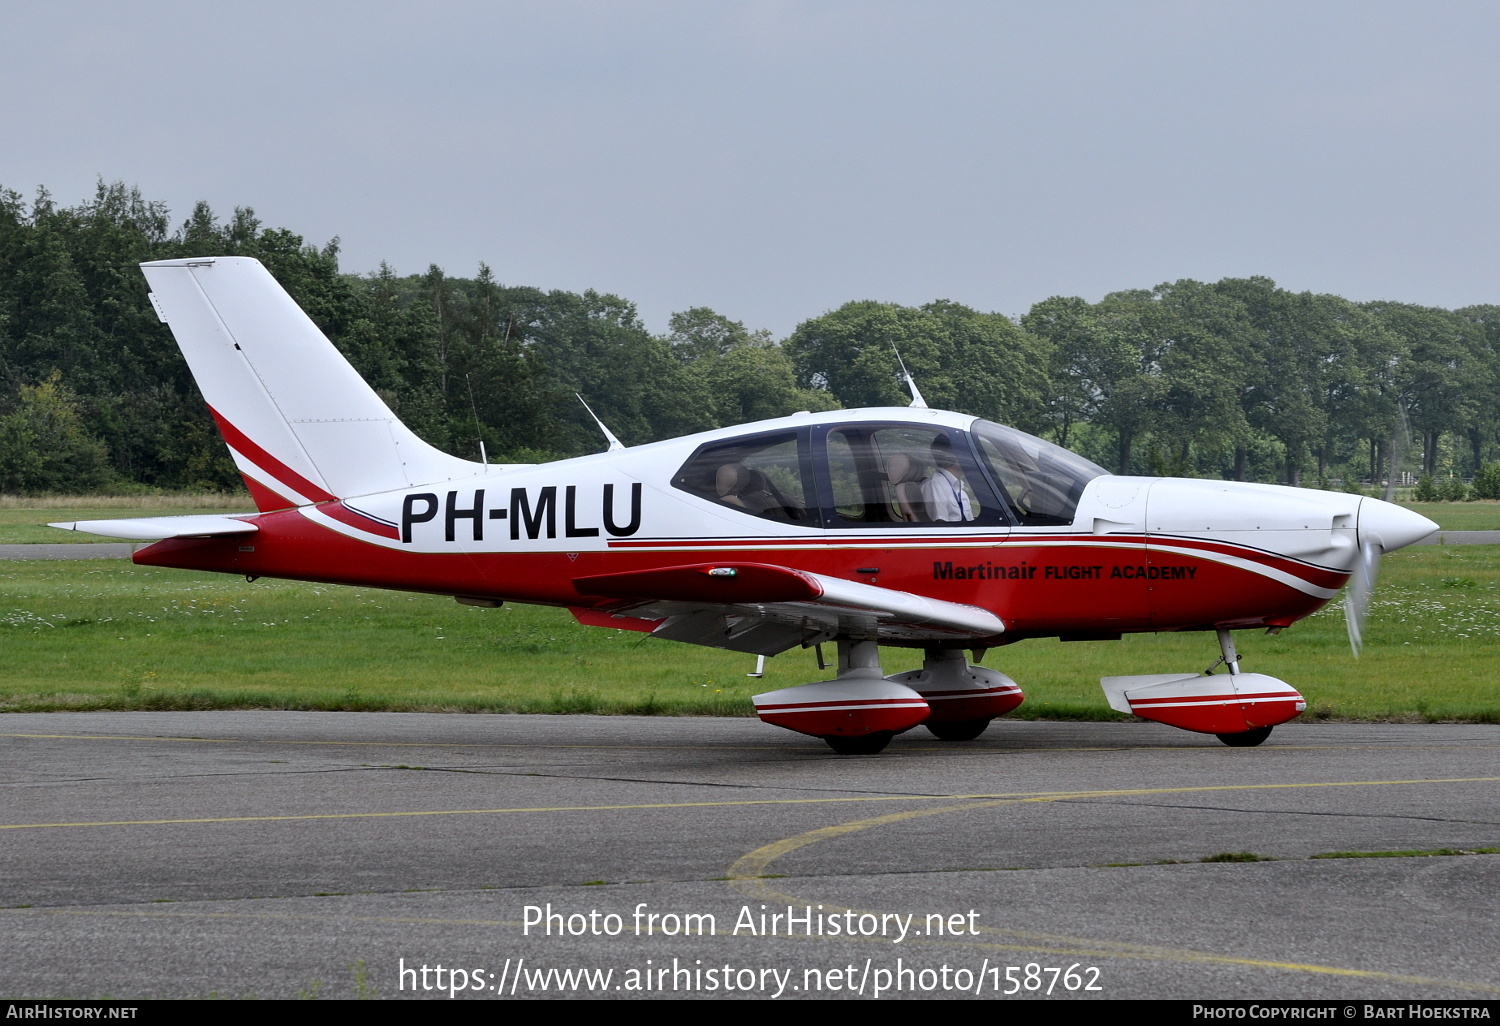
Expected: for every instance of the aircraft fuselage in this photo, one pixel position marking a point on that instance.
(1140, 554)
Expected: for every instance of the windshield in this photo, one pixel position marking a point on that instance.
(1042, 481)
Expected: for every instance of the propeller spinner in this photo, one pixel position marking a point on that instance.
(1383, 527)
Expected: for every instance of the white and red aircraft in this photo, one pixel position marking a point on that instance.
(897, 526)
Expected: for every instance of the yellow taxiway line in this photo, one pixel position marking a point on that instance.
(969, 801)
(748, 876)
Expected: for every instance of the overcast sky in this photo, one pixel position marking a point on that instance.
(774, 160)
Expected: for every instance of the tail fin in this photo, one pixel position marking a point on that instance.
(301, 423)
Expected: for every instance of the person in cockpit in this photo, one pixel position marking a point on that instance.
(943, 494)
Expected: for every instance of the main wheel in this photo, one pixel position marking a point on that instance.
(1249, 739)
(865, 744)
(963, 730)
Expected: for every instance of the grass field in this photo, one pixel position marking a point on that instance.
(24, 519)
(1460, 516)
(110, 635)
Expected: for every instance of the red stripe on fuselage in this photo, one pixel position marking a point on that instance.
(292, 546)
(1312, 573)
(360, 521)
(273, 467)
(964, 546)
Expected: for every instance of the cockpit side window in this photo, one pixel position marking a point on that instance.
(899, 475)
(1042, 481)
(763, 476)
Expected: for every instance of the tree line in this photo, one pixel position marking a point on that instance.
(1236, 379)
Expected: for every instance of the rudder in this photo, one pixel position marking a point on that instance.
(302, 425)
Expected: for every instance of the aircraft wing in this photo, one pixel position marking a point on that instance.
(765, 609)
(159, 528)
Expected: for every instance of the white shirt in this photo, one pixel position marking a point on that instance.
(944, 495)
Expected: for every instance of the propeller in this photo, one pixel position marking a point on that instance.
(1387, 514)
(1357, 598)
(1383, 527)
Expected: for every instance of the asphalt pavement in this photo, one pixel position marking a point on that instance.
(277, 854)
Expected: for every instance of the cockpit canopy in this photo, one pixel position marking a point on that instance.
(875, 474)
(1042, 482)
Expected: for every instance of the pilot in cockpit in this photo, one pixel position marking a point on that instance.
(943, 494)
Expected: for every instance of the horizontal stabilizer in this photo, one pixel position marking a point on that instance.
(159, 528)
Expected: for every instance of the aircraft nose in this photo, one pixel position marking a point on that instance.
(1390, 526)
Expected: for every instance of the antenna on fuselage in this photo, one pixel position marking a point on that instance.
(478, 435)
(916, 396)
(1395, 454)
(614, 443)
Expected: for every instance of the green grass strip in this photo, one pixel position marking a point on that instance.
(105, 634)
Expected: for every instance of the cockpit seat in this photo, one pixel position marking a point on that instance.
(906, 473)
(749, 489)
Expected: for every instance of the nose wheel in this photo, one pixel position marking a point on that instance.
(1247, 739)
(1236, 707)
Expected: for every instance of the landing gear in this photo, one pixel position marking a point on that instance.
(1229, 655)
(1238, 708)
(963, 730)
(1247, 739)
(865, 744)
(963, 698)
(857, 713)
(862, 709)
